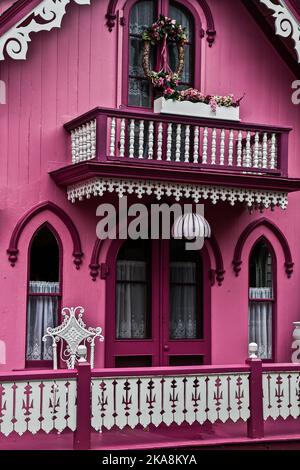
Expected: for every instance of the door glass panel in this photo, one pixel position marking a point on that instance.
(186, 361)
(132, 291)
(133, 361)
(185, 292)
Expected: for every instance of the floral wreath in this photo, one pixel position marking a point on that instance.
(162, 30)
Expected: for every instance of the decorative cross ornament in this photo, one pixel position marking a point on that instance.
(73, 332)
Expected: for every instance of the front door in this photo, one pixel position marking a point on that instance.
(158, 305)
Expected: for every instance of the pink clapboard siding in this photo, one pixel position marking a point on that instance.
(76, 68)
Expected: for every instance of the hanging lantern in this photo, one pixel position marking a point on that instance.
(191, 226)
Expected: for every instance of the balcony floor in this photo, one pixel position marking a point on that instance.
(279, 435)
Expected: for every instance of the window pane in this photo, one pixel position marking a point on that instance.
(185, 19)
(185, 290)
(132, 291)
(42, 310)
(139, 91)
(141, 16)
(260, 327)
(261, 311)
(187, 75)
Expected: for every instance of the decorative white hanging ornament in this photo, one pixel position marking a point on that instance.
(191, 225)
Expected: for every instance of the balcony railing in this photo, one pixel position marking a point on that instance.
(86, 401)
(117, 135)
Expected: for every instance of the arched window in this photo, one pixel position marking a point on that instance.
(143, 13)
(44, 293)
(261, 298)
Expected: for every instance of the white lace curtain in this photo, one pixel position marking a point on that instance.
(260, 320)
(183, 300)
(131, 299)
(41, 313)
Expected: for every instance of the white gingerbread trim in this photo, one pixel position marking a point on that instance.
(47, 15)
(286, 24)
(252, 197)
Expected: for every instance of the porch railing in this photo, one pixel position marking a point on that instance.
(105, 134)
(85, 400)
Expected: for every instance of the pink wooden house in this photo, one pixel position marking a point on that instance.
(78, 129)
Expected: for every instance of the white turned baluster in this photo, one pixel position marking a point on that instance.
(248, 151)
(196, 144)
(256, 150)
(178, 143)
(265, 151)
(88, 141)
(230, 148)
(77, 144)
(150, 140)
(205, 146)
(239, 149)
(73, 146)
(141, 140)
(112, 137)
(213, 146)
(222, 148)
(84, 146)
(273, 152)
(122, 138)
(80, 144)
(131, 139)
(187, 144)
(93, 139)
(159, 141)
(169, 142)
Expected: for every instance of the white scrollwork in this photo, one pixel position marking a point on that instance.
(47, 15)
(73, 332)
(250, 197)
(286, 24)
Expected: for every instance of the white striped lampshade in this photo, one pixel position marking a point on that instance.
(191, 226)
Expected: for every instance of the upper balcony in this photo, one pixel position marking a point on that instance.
(106, 143)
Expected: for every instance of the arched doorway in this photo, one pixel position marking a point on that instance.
(158, 304)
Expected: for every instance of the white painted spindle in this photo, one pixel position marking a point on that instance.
(196, 144)
(222, 148)
(131, 138)
(187, 144)
(141, 139)
(150, 140)
(239, 149)
(112, 137)
(265, 151)
(159, 141)
(256, 150)
(213, 146)
(230, 148)
(178, 143)
(273, 152)
(205, 146)
(93, 139)
(169, 142)
(248, 162)
(122, 138)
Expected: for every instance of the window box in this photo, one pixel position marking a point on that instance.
(203, 110)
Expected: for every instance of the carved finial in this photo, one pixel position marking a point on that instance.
(253, 348)
(82, 352)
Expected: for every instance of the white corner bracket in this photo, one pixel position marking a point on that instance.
(286, 25)
(47, 15)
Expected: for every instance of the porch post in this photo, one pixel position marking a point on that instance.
(255, 423)
(82, 435)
